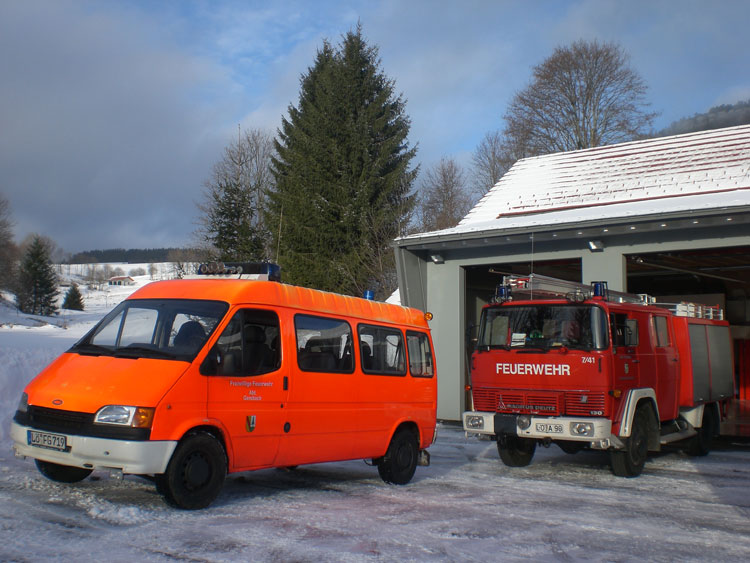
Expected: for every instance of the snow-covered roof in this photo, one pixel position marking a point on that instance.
(695, 171)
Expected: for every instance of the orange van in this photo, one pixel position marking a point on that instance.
(188, 380)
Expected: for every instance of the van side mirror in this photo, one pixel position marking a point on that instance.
(210, 365)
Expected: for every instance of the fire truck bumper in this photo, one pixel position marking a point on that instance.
(596, 431)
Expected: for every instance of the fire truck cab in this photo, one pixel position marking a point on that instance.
(584, 367)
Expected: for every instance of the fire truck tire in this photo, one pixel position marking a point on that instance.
(629, 462)
(515, 451)
(399, 463)
(61, 473)
(700, 444)
(195, 474)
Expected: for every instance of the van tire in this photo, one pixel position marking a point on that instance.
(399, 463)
(629, 462)
(700, 444)
(61, 473)
(515, 451)
(195, 474)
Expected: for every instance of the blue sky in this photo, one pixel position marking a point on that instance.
(112, 113)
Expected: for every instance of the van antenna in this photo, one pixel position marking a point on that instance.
(278, 241)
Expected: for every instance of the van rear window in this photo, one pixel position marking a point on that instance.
(382, 350)
(420, 355)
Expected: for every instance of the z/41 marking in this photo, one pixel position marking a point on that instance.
(588, 359)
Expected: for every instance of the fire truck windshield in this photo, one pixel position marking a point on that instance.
(543, 327)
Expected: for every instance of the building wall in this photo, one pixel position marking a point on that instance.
(441, 288)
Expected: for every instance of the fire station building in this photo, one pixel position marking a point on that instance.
(669, 217)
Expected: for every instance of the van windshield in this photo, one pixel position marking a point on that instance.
(541, 327)
(171, 329)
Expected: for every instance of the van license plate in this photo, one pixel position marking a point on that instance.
(46, 440)
(549, 428)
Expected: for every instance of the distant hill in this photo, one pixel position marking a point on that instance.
(727, 115)
(130, 256)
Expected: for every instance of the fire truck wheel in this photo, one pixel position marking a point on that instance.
(700, 444)
(195, 473)
(630, 461)
(398, 464)
(515, 451)
(61, 473)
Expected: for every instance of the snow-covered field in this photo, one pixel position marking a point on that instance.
(465, 507)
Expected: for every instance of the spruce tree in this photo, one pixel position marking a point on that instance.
(232, 220)
(73, 299)
(232, 232)
(37, 291)
(342, 174)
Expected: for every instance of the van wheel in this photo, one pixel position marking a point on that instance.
(195, 473)
(61, 473)
(399, 463)
(515, 451)
(630, 461)
(700, 444)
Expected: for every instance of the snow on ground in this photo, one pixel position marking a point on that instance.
(466, 506)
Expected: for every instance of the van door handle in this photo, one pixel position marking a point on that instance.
(286, 383)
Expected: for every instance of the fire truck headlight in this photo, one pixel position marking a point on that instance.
(523, 421)
(475, 422)
(581, 429)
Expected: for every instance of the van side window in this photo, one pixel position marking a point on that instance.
(420, 355)
(250, 344)
(661, 331)
(382, 350)
(323, 344)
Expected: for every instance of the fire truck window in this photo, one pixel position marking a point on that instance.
(495, 329)
(580, 327)
(624, 330)
(250, 344)
(420, 355)
(661, 331)
(323, 344)
(631, 332)
(382, 350)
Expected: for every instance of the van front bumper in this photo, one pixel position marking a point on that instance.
(131, 457)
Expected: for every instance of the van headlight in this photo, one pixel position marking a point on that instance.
(136, 417)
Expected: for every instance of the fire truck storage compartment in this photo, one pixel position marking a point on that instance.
(708, 375)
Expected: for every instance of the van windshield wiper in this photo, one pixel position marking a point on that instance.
(87, 349)
(143, 351)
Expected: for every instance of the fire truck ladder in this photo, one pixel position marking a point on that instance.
(540, 286)
(527, 287)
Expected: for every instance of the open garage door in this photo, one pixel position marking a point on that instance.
(481, 282)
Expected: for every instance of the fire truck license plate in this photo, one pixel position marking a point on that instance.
(47, 440)
(549, 428)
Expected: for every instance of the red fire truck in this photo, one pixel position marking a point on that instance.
(584, 367)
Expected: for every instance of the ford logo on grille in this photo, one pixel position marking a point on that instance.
(57, 402)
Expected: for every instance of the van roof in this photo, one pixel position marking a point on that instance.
(237, 291)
